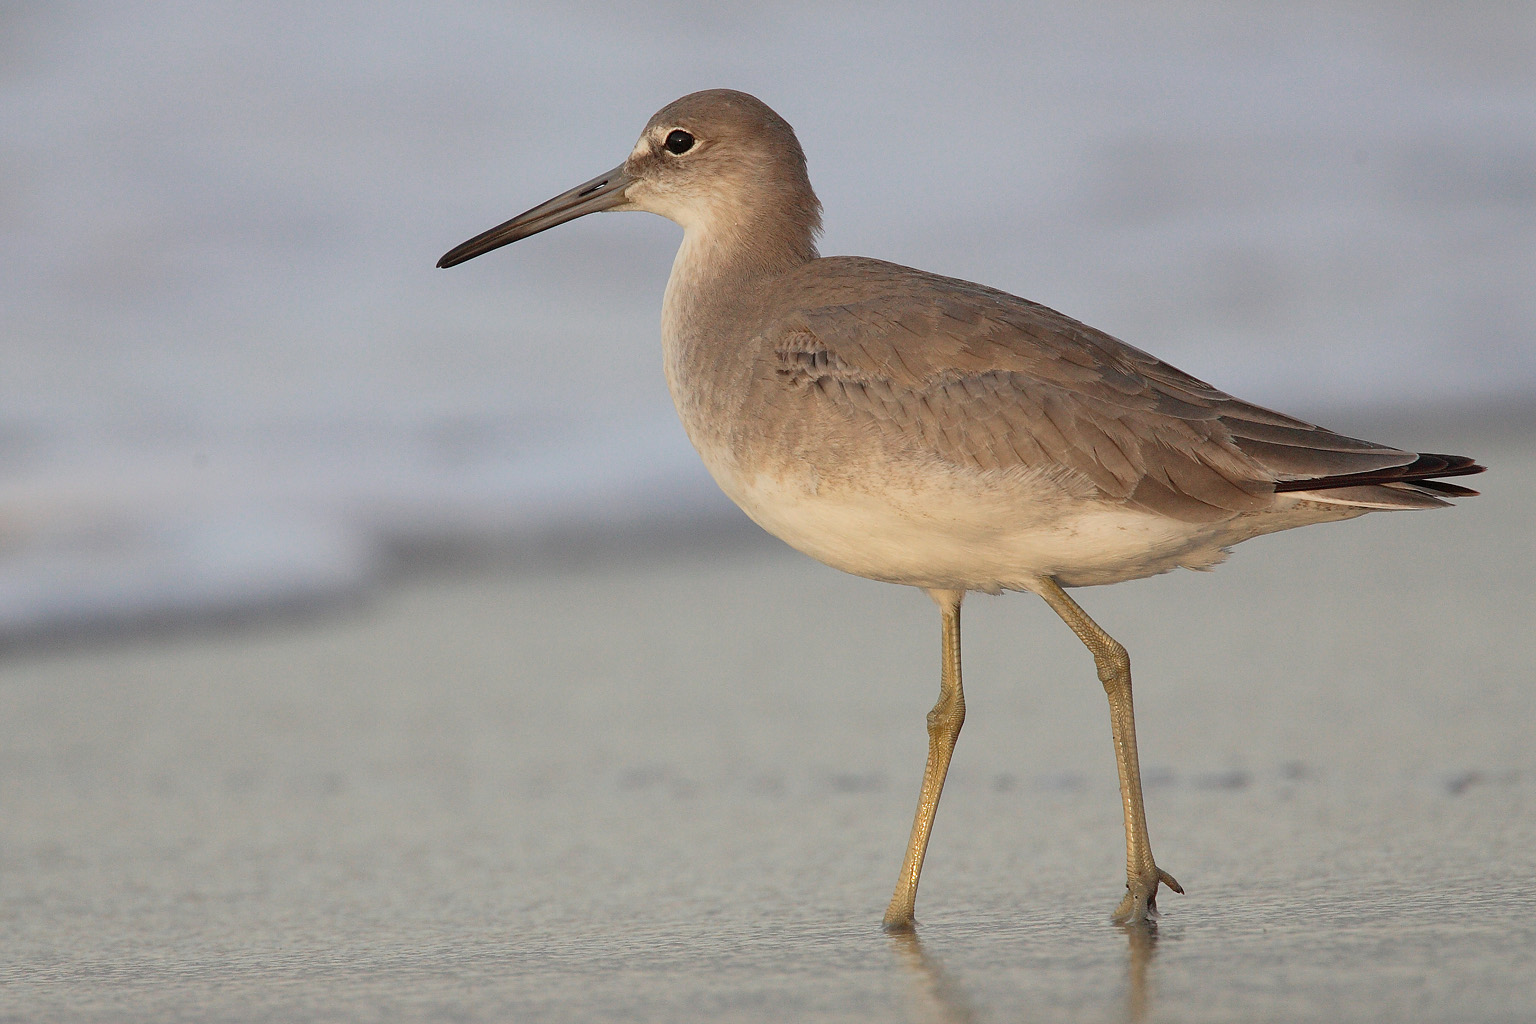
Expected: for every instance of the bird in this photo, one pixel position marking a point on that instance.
(927, 431)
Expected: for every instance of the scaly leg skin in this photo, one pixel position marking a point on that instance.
(944, 723)
(1142, 875)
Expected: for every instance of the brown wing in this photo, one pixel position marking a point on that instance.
(984, 379)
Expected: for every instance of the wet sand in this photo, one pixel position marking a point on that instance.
(650, 786)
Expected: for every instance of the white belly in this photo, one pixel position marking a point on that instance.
(967, 532)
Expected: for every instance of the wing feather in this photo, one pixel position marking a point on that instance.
(986, 380)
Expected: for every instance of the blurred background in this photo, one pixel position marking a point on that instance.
(231, 379)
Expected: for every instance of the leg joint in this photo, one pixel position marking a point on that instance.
(947, 716)
(1113, 663)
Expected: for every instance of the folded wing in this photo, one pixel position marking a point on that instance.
(983, 379)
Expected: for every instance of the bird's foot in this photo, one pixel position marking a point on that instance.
(1140, 902)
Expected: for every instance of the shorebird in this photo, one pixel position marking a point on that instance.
(927, 431)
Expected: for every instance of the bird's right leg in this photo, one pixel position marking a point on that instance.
(1142, 875)
(944, 723)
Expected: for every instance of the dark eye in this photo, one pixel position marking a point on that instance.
(678, 141)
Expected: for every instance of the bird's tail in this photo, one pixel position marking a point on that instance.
(1414, 485)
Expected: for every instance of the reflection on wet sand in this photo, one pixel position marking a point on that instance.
(937, 999)
(1141, 938)
(935, 996)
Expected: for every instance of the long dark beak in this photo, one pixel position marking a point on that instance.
(603, 192)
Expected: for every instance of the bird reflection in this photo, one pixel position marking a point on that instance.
(937, 999)
(1141, 937)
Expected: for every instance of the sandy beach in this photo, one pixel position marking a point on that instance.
(654, 785)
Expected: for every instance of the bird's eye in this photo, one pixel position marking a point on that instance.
(678, 141)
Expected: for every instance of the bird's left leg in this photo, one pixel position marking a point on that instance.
(1142, 875)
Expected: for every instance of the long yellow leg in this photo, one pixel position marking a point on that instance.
(944, 723)
(1142, 875)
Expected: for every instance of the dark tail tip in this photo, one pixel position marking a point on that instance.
(1423, 471)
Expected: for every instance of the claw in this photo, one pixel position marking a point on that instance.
(1140, 901)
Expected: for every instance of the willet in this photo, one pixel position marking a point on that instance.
(923, 430)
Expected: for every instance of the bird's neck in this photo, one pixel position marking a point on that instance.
(729, 255)
(722, 277)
